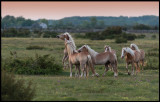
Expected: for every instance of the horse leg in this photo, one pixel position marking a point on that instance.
(107, 68)
(87, 70)
(142, 64)
(76, 70)
(132, 69)
(82, 69)
(70, 69)
(115, 70)
(64, 67)
(136, 68)
(127, 68)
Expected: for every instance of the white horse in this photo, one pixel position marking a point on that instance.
(142, 58)
(69, 38)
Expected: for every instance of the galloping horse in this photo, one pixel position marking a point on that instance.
(135, 47)
(131, 57)
(104, 58)
(108, 49)
(68, 37)
(80, 59)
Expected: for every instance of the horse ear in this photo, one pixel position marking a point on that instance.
(105, 46)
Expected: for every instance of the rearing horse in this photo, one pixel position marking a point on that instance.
(69, 38)
(131, 57)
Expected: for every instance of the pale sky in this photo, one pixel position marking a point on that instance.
(58, 10)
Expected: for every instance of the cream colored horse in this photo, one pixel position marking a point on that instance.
(131, 57)
(79, 59)
(142, 58)
(104, 58)
(108, 49)
(68, 37)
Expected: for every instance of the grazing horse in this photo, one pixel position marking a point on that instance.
(108, 49)
(80, 59)
(135, 47)
(131, 57)
(104, 58)
(68, 37)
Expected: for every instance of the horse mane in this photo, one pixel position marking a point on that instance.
(70, 38)
(109, 49)
(135, 46)
(129, 50)
(91, 51)
(72, 48)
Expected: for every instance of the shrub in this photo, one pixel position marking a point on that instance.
(120, 40)
(40, 65)
(15, 90)
(153, 36)
(141, 36)
(32, 47)
(150, 65)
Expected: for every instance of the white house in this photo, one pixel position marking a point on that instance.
(43, 25)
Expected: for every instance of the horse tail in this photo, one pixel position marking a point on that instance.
(89, 62)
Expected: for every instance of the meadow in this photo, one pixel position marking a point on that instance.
(141, 87)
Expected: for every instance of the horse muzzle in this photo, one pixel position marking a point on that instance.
(57, 36)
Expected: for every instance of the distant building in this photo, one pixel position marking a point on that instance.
(43, 25)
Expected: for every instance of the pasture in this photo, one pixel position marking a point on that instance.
(141, 87)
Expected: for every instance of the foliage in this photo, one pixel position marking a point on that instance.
(141, 27)
(12, 32)
(40, 65)
(153, 36)
(140, 36)
(15, 90)
(120, 40)
(32, 47)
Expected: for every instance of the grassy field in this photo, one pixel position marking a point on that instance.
(144, 86)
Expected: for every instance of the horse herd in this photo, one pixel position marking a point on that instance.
(86, 58)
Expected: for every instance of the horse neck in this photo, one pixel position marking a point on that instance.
(92, 52)
(71, 39)
(129, 56)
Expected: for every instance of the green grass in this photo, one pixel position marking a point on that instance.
(144, 86)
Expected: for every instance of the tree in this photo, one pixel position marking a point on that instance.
(93, 22)
(44, 21)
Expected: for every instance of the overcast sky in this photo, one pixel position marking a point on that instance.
(58, 10)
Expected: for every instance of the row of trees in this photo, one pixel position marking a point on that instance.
(82, 23)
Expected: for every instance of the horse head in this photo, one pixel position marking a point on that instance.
(63, 36)
(107, 48)
(123, 53)
(83, 48)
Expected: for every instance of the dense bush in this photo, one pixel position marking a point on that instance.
(141, 36)
(48, 34)
(12, 32)
(120, 40)
(128, 36)
(40, 65)
(15, 90)
(153, 36)
(32, 47)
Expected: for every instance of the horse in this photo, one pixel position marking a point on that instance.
(131, 57)
(80, 59)
(142, 58)
(108, 49)
(68, 37)
(104, 58)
